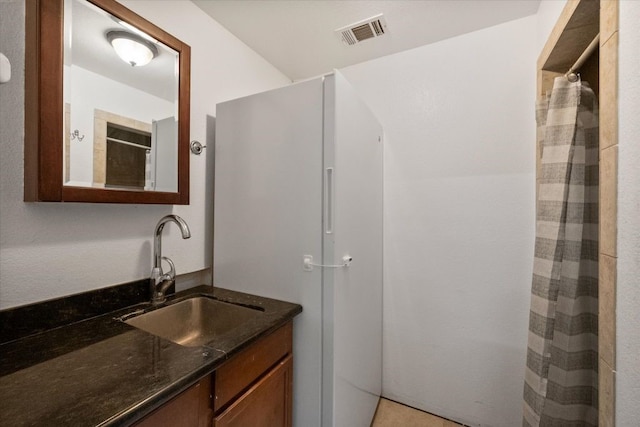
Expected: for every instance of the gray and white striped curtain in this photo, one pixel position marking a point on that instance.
(561, 378)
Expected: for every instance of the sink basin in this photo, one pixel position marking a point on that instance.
(195, 321)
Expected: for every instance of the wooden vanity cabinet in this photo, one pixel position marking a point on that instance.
(253, 388)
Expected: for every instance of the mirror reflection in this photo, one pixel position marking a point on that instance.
(120, 104)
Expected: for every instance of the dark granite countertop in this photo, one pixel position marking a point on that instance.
(101, 371)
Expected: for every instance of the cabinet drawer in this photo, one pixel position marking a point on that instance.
(266, 404)
(236, 375)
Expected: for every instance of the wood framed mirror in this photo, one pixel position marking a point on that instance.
(100, 128)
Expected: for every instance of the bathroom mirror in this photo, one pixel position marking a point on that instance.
(103, 125)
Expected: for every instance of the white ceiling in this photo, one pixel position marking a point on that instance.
(297, 36)
(91, 51)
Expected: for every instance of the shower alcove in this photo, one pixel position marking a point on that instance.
(579, 23)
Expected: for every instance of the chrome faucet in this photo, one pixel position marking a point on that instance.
(161, 281)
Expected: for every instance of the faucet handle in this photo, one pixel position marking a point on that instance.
(171, 275)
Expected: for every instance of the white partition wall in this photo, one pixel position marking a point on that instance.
(268, 206)
(299, 173)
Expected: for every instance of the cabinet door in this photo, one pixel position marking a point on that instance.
(265, 404)
(191, 408)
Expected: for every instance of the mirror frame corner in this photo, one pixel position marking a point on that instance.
(44, 109)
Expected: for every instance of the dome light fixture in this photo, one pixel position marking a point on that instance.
(131, 48)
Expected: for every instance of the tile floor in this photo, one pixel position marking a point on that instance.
(392, 414)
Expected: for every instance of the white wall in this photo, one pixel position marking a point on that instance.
(459, 124)
(50, 250)
(628, 286)
(548, 13)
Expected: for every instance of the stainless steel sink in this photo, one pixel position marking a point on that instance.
(195, 321)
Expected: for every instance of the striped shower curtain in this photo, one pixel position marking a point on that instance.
(561, 378)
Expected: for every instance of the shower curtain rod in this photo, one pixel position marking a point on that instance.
(585, 55)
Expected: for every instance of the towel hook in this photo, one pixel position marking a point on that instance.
(76, 135)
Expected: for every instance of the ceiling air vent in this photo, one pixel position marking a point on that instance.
(375, 26)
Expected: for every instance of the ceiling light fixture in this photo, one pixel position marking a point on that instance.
(131, 48)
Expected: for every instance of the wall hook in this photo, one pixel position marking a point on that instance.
(76, 135)
(197, 147)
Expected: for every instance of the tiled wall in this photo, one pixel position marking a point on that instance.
(608, 207)
(608, 200)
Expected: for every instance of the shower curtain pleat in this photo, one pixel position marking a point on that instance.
(561, 377)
